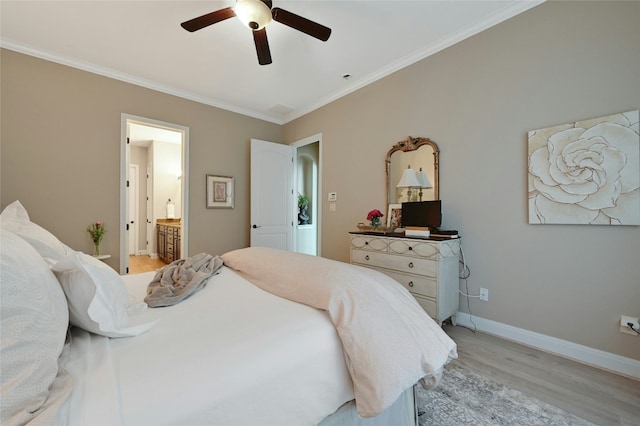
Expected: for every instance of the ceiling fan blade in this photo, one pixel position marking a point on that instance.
(200, 22)
(262, 46)
(301, 24)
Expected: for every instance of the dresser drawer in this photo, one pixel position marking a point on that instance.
(414, 248)
(371, 243)
(397, 263)
(416, 284)
(428, 305)
(423, 289)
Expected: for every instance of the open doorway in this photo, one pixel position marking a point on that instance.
(308, 182)
(153, 203)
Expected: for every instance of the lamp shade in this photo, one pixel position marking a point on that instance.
(409, 179)
(253, 13)
(424, 180)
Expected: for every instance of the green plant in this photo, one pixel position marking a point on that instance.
(302, 200)
(96, 232)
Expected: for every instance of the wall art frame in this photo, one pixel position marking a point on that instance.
(586, 172)
(220, 192)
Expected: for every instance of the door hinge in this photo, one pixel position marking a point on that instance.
(127, 268)
(127, 139)
(127, 184)
(127, 226)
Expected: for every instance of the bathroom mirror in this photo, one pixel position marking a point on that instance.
(415, 153)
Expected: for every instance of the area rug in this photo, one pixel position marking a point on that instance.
(465, 397)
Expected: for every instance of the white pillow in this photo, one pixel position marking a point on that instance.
(97, 297)
(34, 321)
(15, 218)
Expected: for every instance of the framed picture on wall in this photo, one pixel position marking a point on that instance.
(586, 172)
(219, 192)
(394, 217)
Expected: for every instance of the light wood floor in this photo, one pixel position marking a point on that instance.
(139, 264)
(596, 395)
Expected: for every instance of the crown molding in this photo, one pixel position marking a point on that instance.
(506, 13)
(128, 78)
(501, 16)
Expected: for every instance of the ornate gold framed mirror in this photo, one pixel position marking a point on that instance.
(415, 154)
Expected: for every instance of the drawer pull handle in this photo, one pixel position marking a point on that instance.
(410, 283)
(410, 264)
(366, 257)
(366, 243)
(410, 248)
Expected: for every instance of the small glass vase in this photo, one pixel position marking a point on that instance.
(375, 222)
(97, 249)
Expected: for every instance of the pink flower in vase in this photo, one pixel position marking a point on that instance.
(374, 217)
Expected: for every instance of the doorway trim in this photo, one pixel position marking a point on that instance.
(318, 202)
(125, 119)
(134, 212)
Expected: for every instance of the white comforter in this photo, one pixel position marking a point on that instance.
(389, 341)
(232, 354)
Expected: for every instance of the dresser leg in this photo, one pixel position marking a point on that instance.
(454, 319)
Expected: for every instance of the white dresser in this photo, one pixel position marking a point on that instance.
(427, 268)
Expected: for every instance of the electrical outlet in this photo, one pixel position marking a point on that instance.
(624, 328)
(484, 294)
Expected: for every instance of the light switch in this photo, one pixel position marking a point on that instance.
(332, 207)
(333, 196)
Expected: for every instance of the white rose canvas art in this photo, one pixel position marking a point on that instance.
(587, 172)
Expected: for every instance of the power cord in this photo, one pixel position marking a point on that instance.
(630, 325)
(464, 273)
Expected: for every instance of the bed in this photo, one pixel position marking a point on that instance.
(254, 345)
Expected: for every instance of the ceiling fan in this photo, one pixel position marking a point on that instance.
(257, 14)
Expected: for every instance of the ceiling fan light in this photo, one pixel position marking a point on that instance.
(253, 13)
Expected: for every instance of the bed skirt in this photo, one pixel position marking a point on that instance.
(402, 413)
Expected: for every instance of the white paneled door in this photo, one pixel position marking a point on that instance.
(272, 201)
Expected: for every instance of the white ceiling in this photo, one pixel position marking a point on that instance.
(143, 135)
(142, 42)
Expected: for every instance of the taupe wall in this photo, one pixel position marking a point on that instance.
(557, 63)
(61, 152)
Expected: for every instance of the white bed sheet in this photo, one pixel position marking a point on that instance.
(231, 354)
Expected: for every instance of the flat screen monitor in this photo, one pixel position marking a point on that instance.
(422, 213)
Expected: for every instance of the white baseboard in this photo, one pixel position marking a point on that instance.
(585, 354)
